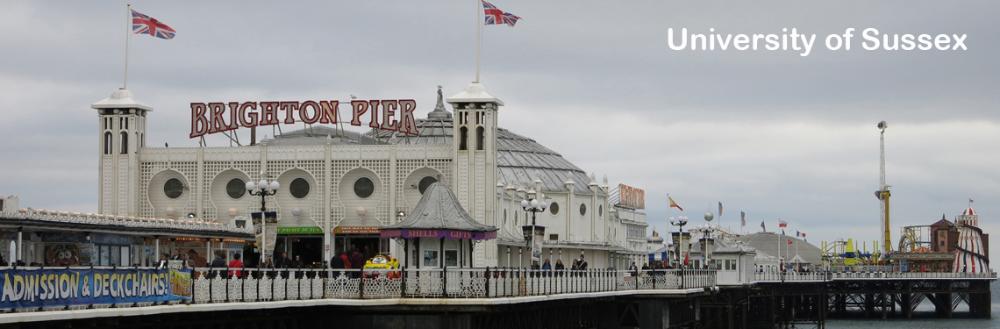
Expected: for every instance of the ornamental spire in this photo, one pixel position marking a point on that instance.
(439, 111)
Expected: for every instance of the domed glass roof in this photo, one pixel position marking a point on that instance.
(520, 160)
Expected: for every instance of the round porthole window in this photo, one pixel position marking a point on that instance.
(425, 183)
(583, 209)
(554, 208)
(236, 188)
(364, 187)
(299, 188)
(173, 188)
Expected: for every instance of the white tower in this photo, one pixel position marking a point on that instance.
(474, 151)
(121, 133)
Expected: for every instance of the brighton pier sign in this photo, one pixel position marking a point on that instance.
(216, 117)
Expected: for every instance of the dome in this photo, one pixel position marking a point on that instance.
(969, 212)
(120, 99)
(520, 160)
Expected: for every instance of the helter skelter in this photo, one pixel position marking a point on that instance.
(970, 255)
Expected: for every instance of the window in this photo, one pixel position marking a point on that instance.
(583, 209)
(480, 137)
(451, 257)
(553, 237)
(600, 210)
(363, 187)
(124, 143)
(112, 255)
(425, 183)
(463, 136)
(236, 188)
(107, 143)
(300, 188)
(554, 208)
(173, 188)
(430, 258)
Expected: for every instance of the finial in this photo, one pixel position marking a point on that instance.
(439, 111)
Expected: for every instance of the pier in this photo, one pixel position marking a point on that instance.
(520, 298)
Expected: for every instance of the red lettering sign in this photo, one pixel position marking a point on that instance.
(389, 114)
(631, 197)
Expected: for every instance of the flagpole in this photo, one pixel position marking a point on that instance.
(479, 35)
(128, 31)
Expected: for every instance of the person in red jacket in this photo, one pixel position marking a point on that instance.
(236, 263)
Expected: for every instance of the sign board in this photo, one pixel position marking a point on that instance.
(385, 114)
(631, 197)
(31, 288)
(299, 230)
(355, 230)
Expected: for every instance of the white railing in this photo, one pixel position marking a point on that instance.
(249, 285)
(831, 275)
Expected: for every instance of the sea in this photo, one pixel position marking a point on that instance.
(927, 322)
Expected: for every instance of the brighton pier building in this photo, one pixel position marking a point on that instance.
(337, 187)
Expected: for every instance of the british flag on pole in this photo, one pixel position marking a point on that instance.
(495, 16)
(142, 24)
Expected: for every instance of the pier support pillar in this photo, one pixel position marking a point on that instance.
(942, 305)
(906, 304)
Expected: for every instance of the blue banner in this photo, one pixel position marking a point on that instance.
(22, 288)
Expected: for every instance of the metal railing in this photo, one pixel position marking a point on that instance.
(211, 285)
(861, 275)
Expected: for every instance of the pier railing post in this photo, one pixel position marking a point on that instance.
(402, 282)
(444, 281)
(487, 287)
(361, 284)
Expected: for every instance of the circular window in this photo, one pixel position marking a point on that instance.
(425, 183)
(583, 209)
(554, 208)
(236, 188)
(173, 188)
(299, 188)
(363, 187)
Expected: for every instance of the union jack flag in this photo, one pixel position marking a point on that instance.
(495, 16)
(142, 24)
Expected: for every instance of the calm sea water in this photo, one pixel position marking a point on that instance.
(927, 323)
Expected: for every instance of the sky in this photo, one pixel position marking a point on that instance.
(774, 134)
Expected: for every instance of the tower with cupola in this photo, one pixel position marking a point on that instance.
(121, 134)
(475, 158)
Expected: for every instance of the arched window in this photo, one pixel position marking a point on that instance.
(463, 136)
(480, 137)
(107, 142)
(124, 143)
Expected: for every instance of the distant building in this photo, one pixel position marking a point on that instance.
(789, 250)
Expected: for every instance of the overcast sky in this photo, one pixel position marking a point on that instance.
(771, 133)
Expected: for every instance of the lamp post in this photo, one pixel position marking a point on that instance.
(679, 222)
(535, 206)
(707, 234)
(263, 188)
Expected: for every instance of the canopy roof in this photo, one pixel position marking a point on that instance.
(439, 215)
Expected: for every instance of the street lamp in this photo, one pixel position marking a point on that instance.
(535, 206)
(263, 188)
(707, 234)
(679, 222)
